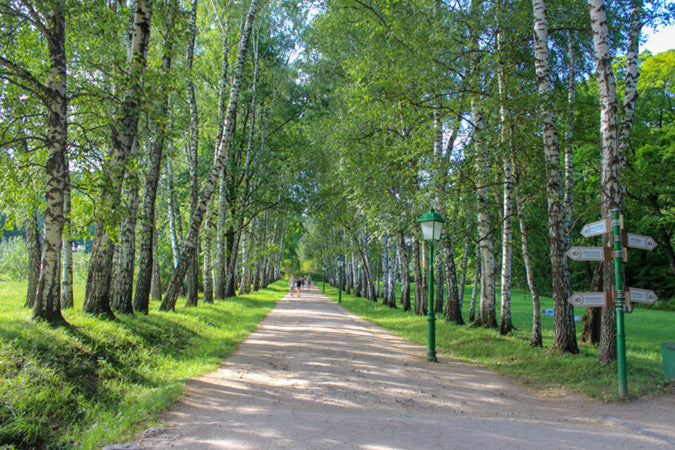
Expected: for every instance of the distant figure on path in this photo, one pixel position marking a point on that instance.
(291, 285)
(298, 285)
(309, 279)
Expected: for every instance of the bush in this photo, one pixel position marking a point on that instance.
(14, 258)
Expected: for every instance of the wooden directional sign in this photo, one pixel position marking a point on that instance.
(590, 299)
(635, 295)
(638, 241)
(590, 254)
(596, 228)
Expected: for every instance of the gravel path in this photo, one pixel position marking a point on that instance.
(314, 375)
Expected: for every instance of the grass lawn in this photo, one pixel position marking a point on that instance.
(646, 330)
(100, 381)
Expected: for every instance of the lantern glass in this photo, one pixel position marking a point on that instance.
(431, 224)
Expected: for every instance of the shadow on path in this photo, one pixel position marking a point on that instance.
(313, 375)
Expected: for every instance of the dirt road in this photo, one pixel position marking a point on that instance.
(315, 376)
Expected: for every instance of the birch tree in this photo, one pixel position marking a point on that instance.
(49, 20)
(191, 241)
(124, 132)
(565, 339)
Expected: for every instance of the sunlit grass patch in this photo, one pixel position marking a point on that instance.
(97, 381)
(538, 368)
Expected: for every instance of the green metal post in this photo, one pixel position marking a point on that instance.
(431, 313)
(340, 284)
(620, 304)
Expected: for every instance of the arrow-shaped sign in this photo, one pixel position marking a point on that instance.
(590, 299)
(596, 228)
(638, 241)
(636, 295)
(590, 254)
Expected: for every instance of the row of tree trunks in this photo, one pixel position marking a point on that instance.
(124, 132)
(191, 242)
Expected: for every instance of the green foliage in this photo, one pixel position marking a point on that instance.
(96, 381)
(536, 367)
(14, 259)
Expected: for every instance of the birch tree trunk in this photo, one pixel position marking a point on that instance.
(474, 291)
(174, 215)
(385, 269)
(34, 246)
(47, 303)
(505, 323)
(192, 154)
(535, 340)
(453, 309)
(148, 242)
(565, 338)
(487, 314)
(221, 264)
(404, 271)
(630, 90)
(392, 274)
(124, 280)
(417, 276)
(208, 262)
(609, 184)
(67, 270)
(156, 287)
(465, 259)
(124, 131)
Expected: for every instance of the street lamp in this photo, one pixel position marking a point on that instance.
(431, 224)
(340, 262)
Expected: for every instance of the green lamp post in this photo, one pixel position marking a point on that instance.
(340, 262)
(431, 224)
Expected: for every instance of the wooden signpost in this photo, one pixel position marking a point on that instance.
(622, 297)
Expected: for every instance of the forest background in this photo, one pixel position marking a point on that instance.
(166, 148)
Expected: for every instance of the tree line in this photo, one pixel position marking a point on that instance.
(149, 122)
(518, 122)
(193, 140)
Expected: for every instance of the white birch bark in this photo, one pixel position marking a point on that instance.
(487, 311)
(47, 303)
(192, 151)
(124, 280)
(465, 258)
(565, 338)
(34, 253)
(124, 131)
(67, 269)
(404, 267)
(505, 323)
(535, 340)
(191, 242)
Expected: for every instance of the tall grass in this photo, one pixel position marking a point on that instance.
(538, 368)
(98, 381)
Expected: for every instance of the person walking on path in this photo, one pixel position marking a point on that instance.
(291, 285)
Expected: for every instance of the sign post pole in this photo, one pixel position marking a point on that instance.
(620, 303)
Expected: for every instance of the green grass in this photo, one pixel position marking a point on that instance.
(99, 381)
(538, 368)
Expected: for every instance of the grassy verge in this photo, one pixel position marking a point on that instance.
(538, 368)
(99, 381)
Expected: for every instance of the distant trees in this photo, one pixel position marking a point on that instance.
(203, 139)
